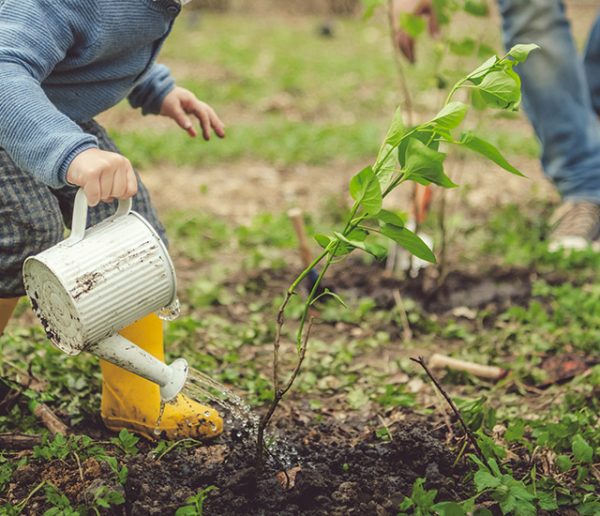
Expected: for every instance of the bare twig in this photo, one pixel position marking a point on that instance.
(467, 430)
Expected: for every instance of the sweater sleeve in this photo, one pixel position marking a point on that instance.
(39, 138)
(151, 89)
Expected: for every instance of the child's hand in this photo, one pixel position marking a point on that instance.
(104, 176)
(180, 103)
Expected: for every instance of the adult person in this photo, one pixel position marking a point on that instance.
(561, 97)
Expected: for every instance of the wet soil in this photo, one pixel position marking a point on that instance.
(333, 470)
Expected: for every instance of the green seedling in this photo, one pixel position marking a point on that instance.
(407, 154)
(195, 504)
(126, 441)
(61, 506)
(121, 472)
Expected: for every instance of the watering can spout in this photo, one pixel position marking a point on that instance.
(123, 353)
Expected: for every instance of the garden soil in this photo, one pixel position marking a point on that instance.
(337, 470)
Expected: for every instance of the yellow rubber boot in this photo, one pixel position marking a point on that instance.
(7, 307)
(131, 402)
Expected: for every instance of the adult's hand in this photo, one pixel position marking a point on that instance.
(424, 8)
(104, 176)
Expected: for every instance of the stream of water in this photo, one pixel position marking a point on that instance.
(237, 414)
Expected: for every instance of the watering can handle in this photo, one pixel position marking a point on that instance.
(80, 211)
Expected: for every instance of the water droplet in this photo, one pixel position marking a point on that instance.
(171, 312)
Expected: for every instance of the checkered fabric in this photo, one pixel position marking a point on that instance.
(33, 216)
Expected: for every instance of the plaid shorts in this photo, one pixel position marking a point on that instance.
(33, 216)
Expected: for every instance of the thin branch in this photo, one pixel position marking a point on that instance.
(468, 433)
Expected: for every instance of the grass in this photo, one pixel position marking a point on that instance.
(289, 96)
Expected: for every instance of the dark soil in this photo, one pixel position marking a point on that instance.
(335, 471)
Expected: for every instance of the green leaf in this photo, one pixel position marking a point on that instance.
(389, 217)
(425, 165)
(365, 190)
(476, 75)
(477, 7)
(582, 451)
(547, 501)
(396, 130)
(342, 248)
(376, 250)
(423, 498)
(464, 47)
(485, 148)
(500, 90)
(411, 242)
(485, 480)
(449, 509)
(515, 431)
(521, 52)
(412, 24)
(386, 165)
(423, 134)
(563, 463)
(450, 116)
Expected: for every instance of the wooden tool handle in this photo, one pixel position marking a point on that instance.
(295, 214)
(438, 361)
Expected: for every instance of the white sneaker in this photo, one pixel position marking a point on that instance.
(576, 224)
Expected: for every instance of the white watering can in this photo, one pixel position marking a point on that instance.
(96, 282)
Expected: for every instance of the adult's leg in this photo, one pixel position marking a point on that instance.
(556, 96)
(591, 62)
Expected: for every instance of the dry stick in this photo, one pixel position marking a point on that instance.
(406, 330)
(19, 441)
(438, 361)
(469, 434)
(50, 420)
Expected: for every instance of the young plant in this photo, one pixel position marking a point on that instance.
(405, 155)
(195, 504)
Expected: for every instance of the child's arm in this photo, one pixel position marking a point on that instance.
(156, 93)
(38, 137)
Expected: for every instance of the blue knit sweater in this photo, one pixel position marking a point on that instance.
(66, 61)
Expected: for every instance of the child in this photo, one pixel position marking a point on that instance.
(62, 62)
